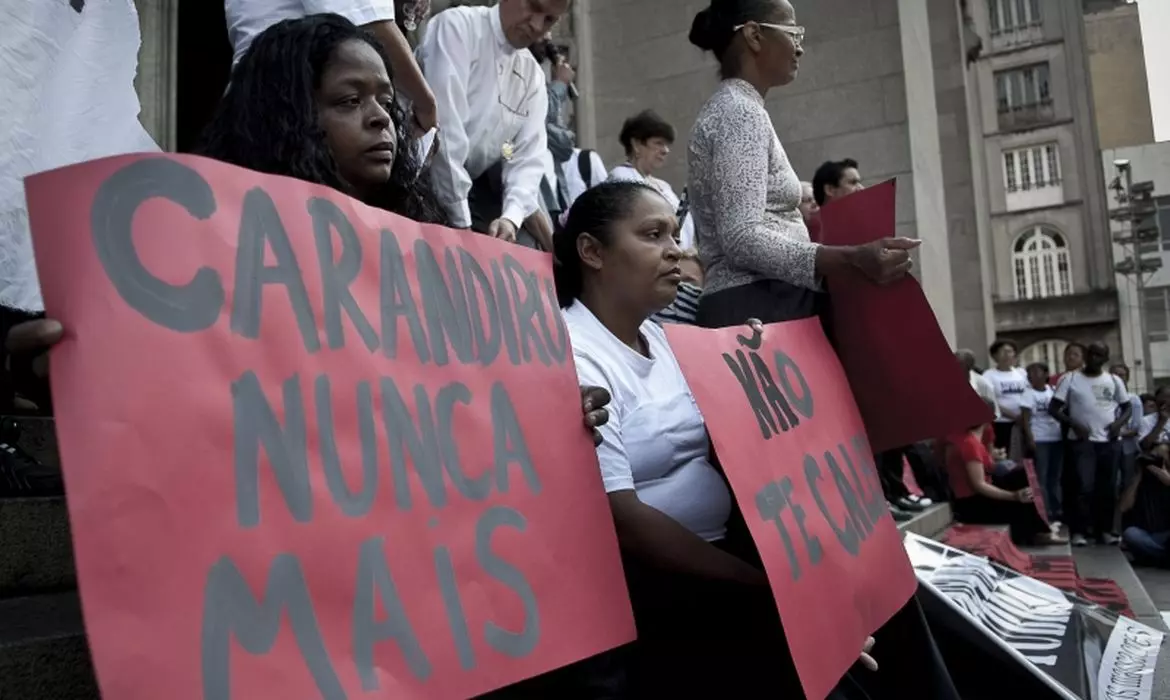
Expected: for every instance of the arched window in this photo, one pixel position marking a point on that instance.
(1041, 263)
(1050, 352)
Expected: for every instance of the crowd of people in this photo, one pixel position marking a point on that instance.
(1100, 453)
(469, 130)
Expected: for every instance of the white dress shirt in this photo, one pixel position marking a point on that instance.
(627, 172)
(66, 96)
(248, 18)
(490, 95)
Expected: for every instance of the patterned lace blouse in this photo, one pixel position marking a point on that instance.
(745, 195)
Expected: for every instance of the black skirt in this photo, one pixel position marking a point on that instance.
(770, 301)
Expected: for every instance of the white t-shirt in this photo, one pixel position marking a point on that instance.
(1009, 388)
(983, 388)
(248, 18)
(66, 96)
(1044, 427)
(1149, 423)
(1092, 401)
(655, 441)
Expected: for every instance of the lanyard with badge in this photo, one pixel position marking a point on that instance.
(508, 148)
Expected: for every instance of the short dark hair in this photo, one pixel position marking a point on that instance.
(595, 213)
(830, 173)
(1000, 345)
(713, 28)
(643, 126)
(1147, 397)
(1041, 366)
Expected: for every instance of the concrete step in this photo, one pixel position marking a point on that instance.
(43, 651)
(36, 551)
(930, 522)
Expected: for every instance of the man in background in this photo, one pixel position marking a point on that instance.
(493, 104)
(246, 19)
(836, 179)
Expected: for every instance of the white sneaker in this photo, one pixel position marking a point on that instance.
(1109, 540)
(1079, 541)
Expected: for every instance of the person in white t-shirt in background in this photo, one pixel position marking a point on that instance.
(1096, 406)
(1154, 434)
(246, 19)
(647, 138)
(1042, 439)
(1131, 431)
(1010, 383)
(981, 386)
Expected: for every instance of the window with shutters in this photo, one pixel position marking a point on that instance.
(1006, 16)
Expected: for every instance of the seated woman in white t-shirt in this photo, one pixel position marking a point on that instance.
(706, 620)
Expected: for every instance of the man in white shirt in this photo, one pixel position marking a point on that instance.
(1096, 405)
(248, 18)
(493, 104)
(66, 96)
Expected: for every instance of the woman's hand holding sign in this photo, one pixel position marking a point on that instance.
(34, 338)
(594, 399)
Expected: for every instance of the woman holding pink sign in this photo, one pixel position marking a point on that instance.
(707, 622)
(745, 195)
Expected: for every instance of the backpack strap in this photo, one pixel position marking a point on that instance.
(585, 166)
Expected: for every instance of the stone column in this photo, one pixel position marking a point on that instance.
(926, 161)
(157, 61)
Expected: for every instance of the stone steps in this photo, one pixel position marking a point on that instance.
(37, 551)
(43, 651)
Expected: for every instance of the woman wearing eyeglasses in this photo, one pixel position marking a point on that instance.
(745, 196)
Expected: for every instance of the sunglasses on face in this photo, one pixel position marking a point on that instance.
(794, 32)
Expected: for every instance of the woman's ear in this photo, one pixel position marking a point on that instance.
(590, 250)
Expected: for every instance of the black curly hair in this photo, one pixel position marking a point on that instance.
(268, 122)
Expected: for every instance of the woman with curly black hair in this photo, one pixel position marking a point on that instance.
(313, 99)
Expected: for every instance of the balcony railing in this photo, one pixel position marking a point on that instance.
(1022, 116)
(1098, 306)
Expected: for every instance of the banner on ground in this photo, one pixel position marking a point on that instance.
(790, 439)
(903, 400)
(312, 448)
(1080, 650)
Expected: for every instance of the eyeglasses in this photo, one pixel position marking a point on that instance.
(793, 31)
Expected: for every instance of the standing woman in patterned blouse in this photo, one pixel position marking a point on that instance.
(745, 196)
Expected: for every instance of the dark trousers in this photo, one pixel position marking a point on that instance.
(1003, 435)
(486, 202)
(890, 472)
(1049, 463)
(1022, 519)
(1148, 548)
(1096, 497)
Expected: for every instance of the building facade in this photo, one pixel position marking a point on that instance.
(1117, 65)
(1050, 248)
